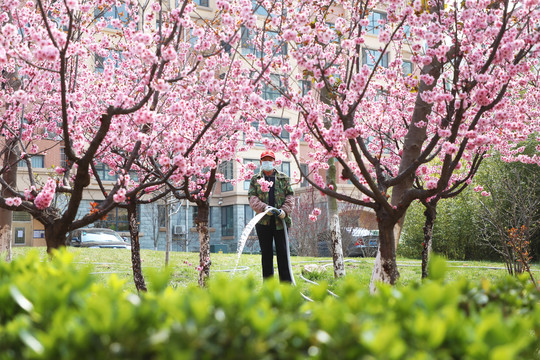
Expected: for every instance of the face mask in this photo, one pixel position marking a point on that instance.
(267, 165)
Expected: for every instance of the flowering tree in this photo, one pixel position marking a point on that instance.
(387, 126)
(198, 120)
(306, 227)
(93, 84)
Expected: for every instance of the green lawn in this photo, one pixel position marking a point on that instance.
(183, 266)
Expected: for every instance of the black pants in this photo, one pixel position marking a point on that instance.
(267, 235)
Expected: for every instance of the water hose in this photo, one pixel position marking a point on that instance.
(247, 230)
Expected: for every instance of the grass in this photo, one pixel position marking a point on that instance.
(183, 267)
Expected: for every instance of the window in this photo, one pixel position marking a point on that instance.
(20, 236)
(248, 43)
(374, 26)
(370, 57)
(273, 37)
(202, 3)
(21, 216)
(227, 222)
(226, 168)
(258, 8)
(272, 90)
(248, 214)
(407, 30)
(63, 158)
(162, 215)
(336, 39)
(37, 161)
(114, 57)
(285, 168)
(194, 214)
(382, 95)
(103, 171)
(280, 122)
(304, 169)
(117, 219)
(407, 68)
(305, 86)
(256, 171)
(112, 12)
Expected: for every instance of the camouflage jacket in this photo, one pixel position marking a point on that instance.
(283, 195)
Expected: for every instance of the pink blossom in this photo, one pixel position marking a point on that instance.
(478, 188)
(120, 195)
(72, 4)
(9, 30)
(45, 197)
(431, 184)
(265, 185)
(485, 193)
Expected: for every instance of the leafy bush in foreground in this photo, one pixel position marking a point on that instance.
(49, 310)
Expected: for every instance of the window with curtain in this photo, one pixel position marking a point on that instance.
(37, 161)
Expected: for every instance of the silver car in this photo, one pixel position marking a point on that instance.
(97, 238)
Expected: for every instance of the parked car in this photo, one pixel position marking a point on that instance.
(366, 245)
(97, 238)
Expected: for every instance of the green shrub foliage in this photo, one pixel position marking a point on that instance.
(51, 310)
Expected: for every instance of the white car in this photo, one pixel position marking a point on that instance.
(97, 238)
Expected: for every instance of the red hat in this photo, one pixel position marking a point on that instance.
(268, 153)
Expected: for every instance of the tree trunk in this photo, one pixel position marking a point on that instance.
(55, 235)
(10, 176)
(337, 248)
(168, 230)
(204, 242)
(335, 229)
(431, 215)
(414, 140)
(138, 277)
(385, 268)
(5, 242)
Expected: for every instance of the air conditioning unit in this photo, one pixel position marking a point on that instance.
(178, 230)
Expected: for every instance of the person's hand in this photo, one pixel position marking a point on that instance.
(281, 214)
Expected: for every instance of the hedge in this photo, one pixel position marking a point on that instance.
(52, 310)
